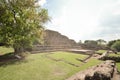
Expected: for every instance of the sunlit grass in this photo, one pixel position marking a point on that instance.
(4, 50)
(118, 66)
(67, 56)
(100, 51)
(115, 55)
(39, 67)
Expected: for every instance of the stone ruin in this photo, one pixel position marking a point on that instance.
(105, 56)
(53, 40)
(103, 71)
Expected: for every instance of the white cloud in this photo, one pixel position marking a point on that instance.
(41, 2)
(80, 19)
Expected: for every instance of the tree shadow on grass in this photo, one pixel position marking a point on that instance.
(9, 59)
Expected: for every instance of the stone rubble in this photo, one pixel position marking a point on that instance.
(103, 71)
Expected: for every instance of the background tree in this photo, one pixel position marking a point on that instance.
(21, 22)
(80, 42)
(90, 42)
(110, 43)
(94, 44)
(101, 42)
(116, 46)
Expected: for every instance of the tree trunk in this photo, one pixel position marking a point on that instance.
(18, 52)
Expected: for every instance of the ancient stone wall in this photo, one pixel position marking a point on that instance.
(117, 59)
(53, 40)
(103, 71)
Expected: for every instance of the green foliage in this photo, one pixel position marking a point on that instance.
(90, 42)
(116, 46)
(110, 43)
(101, 42)
(21, 22)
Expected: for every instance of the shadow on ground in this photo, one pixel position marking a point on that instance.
(9, 59)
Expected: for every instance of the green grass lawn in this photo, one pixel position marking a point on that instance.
(115, 55)
(100, 51)
(4, 50)
(69, 57)
(39, 67)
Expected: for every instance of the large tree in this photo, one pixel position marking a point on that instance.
(90, 42)
(21, 22)
(101, 42)
(110, 43)
(116, 46)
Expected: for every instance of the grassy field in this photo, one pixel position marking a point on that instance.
(100, 51)
(39, 67)
(4, 50)
(115, 55)
(69, 57)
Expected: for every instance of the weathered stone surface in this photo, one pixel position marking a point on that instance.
(103, 71)
(53, 40)
(117, 59)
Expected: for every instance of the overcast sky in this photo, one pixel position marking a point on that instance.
(84, 19)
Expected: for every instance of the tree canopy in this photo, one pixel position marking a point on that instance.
(21, 22)
(101, 41)
(90, 42)
(116, 46)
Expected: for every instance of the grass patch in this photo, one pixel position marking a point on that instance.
(114, 55)
(68, 56)
(38, 67)
(5, 50)
(118, 66)
(100, 52)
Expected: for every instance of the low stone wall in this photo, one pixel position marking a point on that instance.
(103, 71)
(48, 48)
(81, 51)
(117, 59)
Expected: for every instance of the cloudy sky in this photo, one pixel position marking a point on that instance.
(84, 19)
